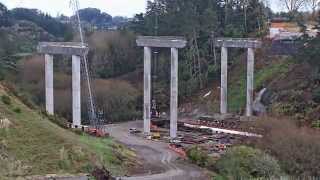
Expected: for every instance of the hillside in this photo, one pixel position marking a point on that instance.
(291, 88)
(286, 119)
(30, 144)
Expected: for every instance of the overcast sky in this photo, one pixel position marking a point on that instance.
(114, 7)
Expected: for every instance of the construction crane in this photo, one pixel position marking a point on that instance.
(96, 122)
(154, 108)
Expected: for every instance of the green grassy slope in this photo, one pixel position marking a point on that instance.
(237, 88)
(33, 145)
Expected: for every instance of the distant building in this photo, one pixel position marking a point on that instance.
(281, 28)
(284, 35)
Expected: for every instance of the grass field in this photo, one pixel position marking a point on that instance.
(32, 145)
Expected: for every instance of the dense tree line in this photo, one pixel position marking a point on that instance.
(45, 21)
(50, 24)
(310, 53)
(113, 53)
(4, 16)
(94, 16)
(200, 22)
(98, 19)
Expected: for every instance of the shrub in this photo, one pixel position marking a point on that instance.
(316, 124)
(316, 95)
(78, 131)
(101, 173)
(310, 52)
(17, 110)
(197, 156)
(6, 99)
(26, 101)
(246, 162)
(58, 120)
(297, 149)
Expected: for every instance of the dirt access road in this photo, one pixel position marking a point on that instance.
(159, 162)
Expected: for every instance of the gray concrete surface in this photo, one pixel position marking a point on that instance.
(174, 93)
(147, 90)
(250, 44)
(161, 41)
(64, 48)
(76, 91)
(165, 42)
(159, 161)
(77, 50)
(238, 42)
(250, 79)
(49, 84)
(224, 81)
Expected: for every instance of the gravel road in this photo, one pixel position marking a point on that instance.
(159, 162)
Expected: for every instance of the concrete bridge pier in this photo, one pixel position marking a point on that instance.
(250, 81)
(49, 84)
(76, 50)
(147, 90)
(224, 81)
(250, 44)
(174, 93)
(76, 91)
(161, 42)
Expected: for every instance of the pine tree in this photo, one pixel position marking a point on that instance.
(4, 16)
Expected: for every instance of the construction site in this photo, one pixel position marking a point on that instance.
(184, 90)
(213, 134)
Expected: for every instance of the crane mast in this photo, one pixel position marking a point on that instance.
(94, 121)
(154, 107)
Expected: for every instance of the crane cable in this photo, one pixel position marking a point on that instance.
(92, 114)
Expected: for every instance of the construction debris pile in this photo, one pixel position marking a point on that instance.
(211, 134)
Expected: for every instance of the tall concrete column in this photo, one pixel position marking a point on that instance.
(174, 93)
(49, 84)
(250, 81)
(147, 90)
(224, 81)
(76, 91)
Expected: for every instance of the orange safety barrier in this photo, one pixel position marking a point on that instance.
(179, 151)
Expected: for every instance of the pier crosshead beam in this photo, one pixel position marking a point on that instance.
(76, 50)
(174, 43)
(224, 44)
